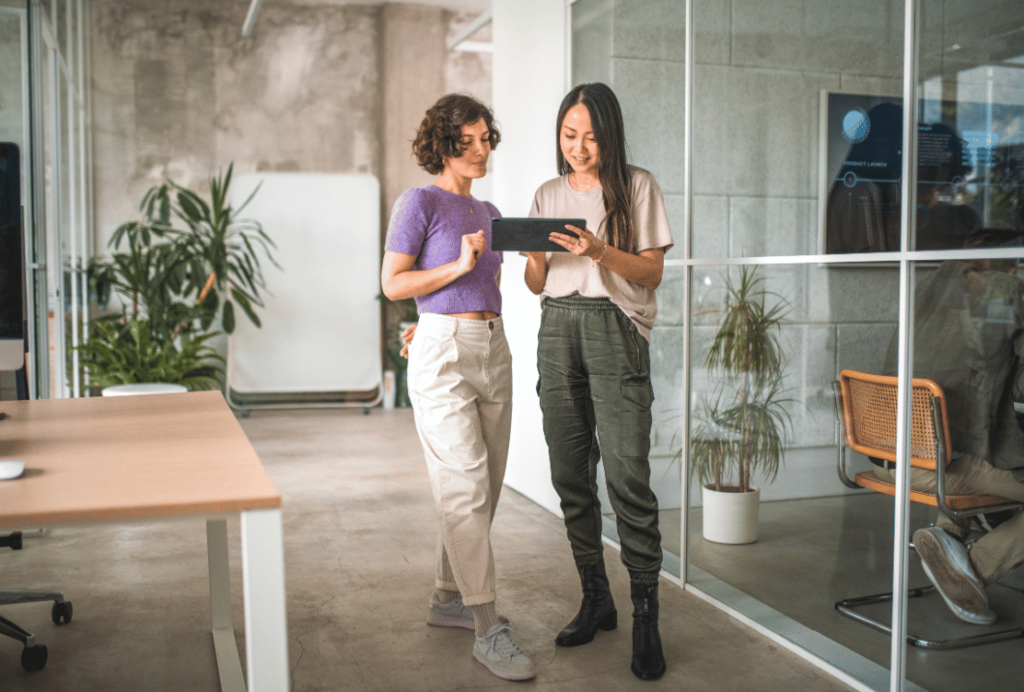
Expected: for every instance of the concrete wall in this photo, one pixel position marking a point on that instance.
(759, 69)
(318, 87)
(758, 73)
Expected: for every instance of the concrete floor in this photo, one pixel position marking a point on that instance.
(834, 548)
(359, 540)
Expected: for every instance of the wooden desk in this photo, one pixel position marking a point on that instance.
(125, 458)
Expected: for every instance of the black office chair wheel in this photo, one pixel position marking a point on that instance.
(33, 657)
(61, 611)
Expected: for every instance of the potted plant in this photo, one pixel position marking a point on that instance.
(130, 354)
(174, 283)
(742, 430)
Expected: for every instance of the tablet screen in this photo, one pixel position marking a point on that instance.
(530, 235)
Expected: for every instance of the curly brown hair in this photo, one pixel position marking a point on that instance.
(440, 133)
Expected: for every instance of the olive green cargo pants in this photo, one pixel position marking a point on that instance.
(595, 394)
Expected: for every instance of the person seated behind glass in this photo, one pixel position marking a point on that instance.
(968, 337)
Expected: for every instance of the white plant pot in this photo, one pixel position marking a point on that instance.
(731, 517)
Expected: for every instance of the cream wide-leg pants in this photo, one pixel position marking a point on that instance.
(460, 385)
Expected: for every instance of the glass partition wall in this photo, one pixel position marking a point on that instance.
(45, 115)
(777, 131)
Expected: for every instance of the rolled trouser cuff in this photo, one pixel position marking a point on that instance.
(644, 578)
(588, 560)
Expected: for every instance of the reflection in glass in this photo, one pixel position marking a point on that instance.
(863, 203)
(760, 69)
(817, 542)
(964, 180)
(971, 66)
(969, 316)
(592, 41)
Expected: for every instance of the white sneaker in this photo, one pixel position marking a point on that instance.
(499, 652)
(455, 613)
(948, 566)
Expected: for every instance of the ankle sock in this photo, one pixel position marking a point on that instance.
(485, 616)
(445, 597)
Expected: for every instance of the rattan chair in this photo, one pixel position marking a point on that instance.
(866, 413)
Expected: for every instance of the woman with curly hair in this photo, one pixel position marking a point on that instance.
(460, 366)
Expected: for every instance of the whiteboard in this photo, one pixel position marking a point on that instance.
(321, 324)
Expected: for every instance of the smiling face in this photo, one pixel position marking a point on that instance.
(475, 142)
(579, 146)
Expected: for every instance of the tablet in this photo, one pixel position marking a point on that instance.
(530, 235)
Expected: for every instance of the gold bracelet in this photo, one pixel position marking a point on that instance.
(603, 253)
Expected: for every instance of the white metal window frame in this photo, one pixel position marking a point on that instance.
(46, 259)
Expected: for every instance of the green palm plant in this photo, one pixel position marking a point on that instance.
(745, 434)
(207, 267)
(130, 352)
(174, 282)
(222, 252)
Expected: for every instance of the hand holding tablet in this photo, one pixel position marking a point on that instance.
(530, 235)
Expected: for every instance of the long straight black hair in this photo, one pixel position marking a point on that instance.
(606, 119)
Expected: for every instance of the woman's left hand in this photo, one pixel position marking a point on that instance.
(586, 245)
(407, 336)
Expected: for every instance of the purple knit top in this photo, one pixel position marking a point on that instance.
(428, 223)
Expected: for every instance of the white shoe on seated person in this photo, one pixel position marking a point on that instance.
(948, 566)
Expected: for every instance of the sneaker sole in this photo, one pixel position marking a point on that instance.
(964, 594)
(504, 675)
(435, 620)
(442, 621)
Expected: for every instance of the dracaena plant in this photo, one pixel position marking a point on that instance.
(743, 429)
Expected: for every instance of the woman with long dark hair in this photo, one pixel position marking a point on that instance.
(594, 363)
(460, 366)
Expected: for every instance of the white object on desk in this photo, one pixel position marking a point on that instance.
(11, 469)
(143, 388)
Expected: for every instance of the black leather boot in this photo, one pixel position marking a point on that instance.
(596, 612)
(648, 658)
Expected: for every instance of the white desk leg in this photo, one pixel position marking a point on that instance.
(225, 647)
(266, 627)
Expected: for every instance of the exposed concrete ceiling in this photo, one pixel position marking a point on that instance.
(463, 5)
(471, 6)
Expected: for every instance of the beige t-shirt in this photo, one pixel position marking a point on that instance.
(568, 274)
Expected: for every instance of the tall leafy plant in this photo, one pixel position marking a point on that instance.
(129, 353)
(742, 431)
(222, 252)
(200, 271)
(182, 264)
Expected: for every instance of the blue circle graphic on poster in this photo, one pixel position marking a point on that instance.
(856, 125)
